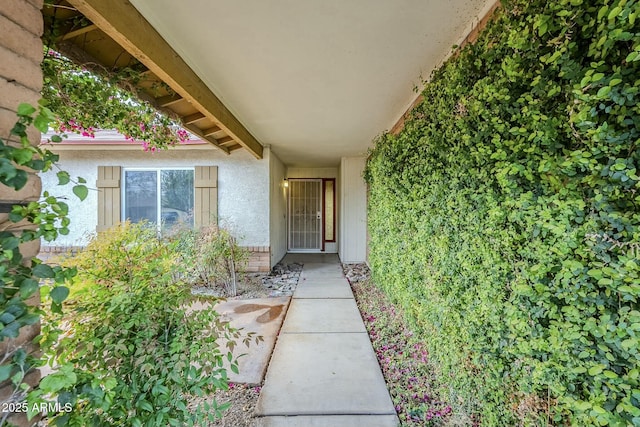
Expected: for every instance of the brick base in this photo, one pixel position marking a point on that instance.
(259, 256)
(52, 254)
(20, 81)
(259, 259)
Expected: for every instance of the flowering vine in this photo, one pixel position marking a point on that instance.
(89, 97)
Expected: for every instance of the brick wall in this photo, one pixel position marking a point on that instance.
(20, 81)
(52, 254)
(259, 259)
(259, 256)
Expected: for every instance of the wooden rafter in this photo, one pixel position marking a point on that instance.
(166, 101)
(211, 130)
(192, 118)
(122, 22)
(197, 131)
(79, 32)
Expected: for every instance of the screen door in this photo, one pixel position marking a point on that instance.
(305, 215)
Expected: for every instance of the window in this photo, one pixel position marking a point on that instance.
(160, 196)
(329, 210)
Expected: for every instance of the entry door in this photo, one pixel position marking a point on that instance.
(305, 215)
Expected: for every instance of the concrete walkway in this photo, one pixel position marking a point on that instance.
(323, 371)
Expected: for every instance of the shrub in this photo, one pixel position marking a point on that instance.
(509, 206)
(212, 255)
(136, 350)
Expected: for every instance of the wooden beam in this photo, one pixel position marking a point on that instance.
(211, 131)
(227, 140)
(121, 21)
(197, 131)
(192, 118)
(165, 101)
(79, 32)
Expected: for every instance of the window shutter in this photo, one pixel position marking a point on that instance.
(108, 185)
(206, 195)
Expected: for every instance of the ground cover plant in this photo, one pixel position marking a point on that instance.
(510, 208)
(135, 352)
(413, 381)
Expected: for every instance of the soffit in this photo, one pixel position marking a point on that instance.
(315, 80)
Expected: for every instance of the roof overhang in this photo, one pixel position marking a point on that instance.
(115, 35)
(314, 80)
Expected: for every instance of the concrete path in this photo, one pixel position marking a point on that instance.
(323, 371)
(264, 318)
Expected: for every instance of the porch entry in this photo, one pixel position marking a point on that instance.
(311, 214)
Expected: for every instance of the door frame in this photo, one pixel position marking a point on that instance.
(290, 218)
(323, 218)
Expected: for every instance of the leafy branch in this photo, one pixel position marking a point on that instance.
(20, 278)
(87, 97)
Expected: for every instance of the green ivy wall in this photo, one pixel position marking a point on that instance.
(505, 217)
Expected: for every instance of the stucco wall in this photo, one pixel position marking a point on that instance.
(278, 211)
(312, 172)
(353, 210)
(243, 187)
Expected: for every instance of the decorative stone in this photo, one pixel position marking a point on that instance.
(356, 272)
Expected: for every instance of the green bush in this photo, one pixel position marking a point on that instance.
(212, 256)
(510, 211)
(136, 352)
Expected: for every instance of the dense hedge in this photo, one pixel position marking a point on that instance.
(505, 217)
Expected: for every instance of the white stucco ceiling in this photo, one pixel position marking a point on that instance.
(314, 79)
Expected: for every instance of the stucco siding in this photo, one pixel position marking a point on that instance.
(312, 172)
(243, 188)
(353, 210)
(278, 211)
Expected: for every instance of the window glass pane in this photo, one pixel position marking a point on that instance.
(176, 187)
(140, 195)
(329, 220)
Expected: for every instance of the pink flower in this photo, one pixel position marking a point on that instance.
(183, 136)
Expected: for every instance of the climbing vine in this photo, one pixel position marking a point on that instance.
(87, 97)
(20, 278)
(510, 204)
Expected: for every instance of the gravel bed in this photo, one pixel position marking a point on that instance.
(243, 402)
(281, 281)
